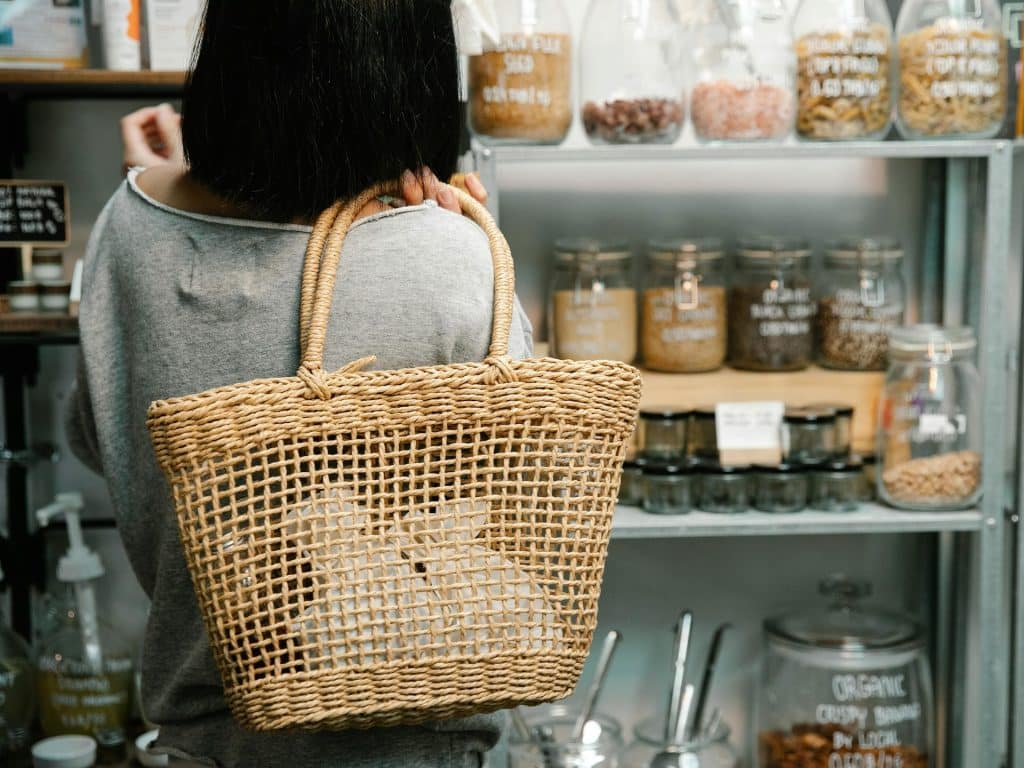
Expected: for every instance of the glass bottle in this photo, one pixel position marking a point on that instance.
(953, 69)
(17, 697)
(520, 89)
(845, 69)
(725, 489)
(780, 489)
(631, 72)
(684, 306)
(808, 436)
(929, 437)
(744, 79)
(593, 313)
(849, 686)
(838, 486)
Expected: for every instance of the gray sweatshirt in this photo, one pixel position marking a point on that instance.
(175, 303)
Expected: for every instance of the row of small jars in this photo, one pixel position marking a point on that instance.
(832, 71)
(767, 319)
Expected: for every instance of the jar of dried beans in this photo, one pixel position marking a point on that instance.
(520, 88)
(631, 72)
(684, 316)
(743, 89)
(844, 69)
(771, 309)
(849, 685)
(953, 69)
(929, 435)
(861, 299)
(593, 307)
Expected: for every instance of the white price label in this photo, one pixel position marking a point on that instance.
(749, 426)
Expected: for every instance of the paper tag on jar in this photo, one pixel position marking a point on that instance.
(749, 433)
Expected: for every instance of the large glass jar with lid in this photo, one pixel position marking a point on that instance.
(744, 66)
(631, 73)
(845, 69)
(593, 308)
(520, 89)
(849, 686)
(953, 69)
(771, 309)
(929, 436)
(860, 299)
(684, 307)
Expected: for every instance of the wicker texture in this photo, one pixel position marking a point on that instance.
(373, 548)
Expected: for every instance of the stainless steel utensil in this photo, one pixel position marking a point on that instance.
(611, 642)
(675, 755)
(705, 683)
(684, 630)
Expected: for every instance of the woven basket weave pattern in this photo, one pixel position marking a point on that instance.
(394, 547)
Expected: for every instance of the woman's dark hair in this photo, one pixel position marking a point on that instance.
(294, 104)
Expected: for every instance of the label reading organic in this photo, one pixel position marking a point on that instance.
(783, 312)
(596, 325)
(74, 700)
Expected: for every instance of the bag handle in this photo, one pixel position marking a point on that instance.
(323, 254)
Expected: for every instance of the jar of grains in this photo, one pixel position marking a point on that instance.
(844, 69)
(744, 65)
(631, 72)
(861, 298)
(771, 311)
(953, 69)
(593, 312)
(520, 89)
(684, 318)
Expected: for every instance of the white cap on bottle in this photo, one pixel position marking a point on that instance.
(144, 756)
(79, 563)
(64, 752)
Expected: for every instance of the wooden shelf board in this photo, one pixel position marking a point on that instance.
(32, 323)
(90, 82)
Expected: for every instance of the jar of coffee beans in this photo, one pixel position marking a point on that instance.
(771, 308)
(684, 318)
(861, 300)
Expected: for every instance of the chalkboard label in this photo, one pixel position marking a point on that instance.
(33, 213)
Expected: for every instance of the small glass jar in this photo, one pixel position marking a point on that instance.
(771, 310)
(780, 489)
(602, 744)
(870, 463)
(953, 69)
(593, 302)
(669, 489)
(808, 435)
(861, 299)
(663, 434)
(724, 490)
(702, 436)
(631, 72)
(843, 414)
(684, 312)
(930, 436)
(520, 89)
(631, 489)
(838, 486)
(23, 296)
(47, 266)
(707, 750)
(55, 296)
(744, 85)
(845, 69)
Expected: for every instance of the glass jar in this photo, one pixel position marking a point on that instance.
(520, 89)
(771, 310)
(631, 489)
(663, 434)
(870, 463)
(743, 89)
(861, 298)
(838, 486)
(844, 426)
(953, 69)
(602, 744)
(847, 687)
(708, 750)
(929, 437)
(845, 69)
(593, 302)
(702, 436)
(780, 489)
(808, 435)
(631, 72)
(669, 489)
(724, 490)
(684, 317)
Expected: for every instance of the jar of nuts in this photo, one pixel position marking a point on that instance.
(631, 72)
(848, 686)
(520, 88)
(929, 436)
(684, 316)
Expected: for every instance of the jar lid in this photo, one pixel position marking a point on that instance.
(809, 415)
(714, 468)
(851, 251)
(22, 286)
(663, 413)
(637, 462)
(931, 340)
(846, 625)
(144, 756)
(55, 287)
(781, 469)
(837, 409)
(570, 249)
(774, 248)
(867, 459)
(47, 257)
(704, 412)
(64, 752)
(667, 470)
(851, 464)
(683, 251)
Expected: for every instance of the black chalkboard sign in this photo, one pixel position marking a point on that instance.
(33, 213)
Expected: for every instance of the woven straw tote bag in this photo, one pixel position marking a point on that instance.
(374, 548)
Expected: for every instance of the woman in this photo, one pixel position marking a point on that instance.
(192, 281)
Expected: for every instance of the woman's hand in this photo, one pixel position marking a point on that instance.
(417, 187)
(152, 136)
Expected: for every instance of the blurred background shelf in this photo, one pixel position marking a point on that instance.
(90, 83)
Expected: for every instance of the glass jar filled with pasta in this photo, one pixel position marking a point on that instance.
(844, 69)
(953, 69)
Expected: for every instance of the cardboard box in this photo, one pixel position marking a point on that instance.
(171, 28)
(43, 34)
